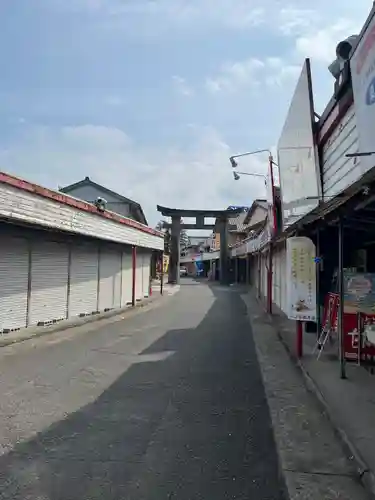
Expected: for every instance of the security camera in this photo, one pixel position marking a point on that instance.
(100, 203)
(345, 47)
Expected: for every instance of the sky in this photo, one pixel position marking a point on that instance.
(151, 97)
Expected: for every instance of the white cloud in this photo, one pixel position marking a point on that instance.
(252, 72)
(195, 177)
(321, 44)
(294, 20)
(236, 14)
(181, 86)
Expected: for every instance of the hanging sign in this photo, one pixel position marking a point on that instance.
(301, 278)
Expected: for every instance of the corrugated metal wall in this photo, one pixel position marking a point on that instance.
(44, 280)
(339, 172)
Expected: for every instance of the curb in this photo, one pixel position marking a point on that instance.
(365, 475)
(67, 325)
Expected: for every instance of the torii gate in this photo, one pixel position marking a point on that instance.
(176, 215)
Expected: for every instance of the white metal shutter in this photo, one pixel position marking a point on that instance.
(139, 276)
(117, 281)
(49, 282)
(14, 276)
(126, 281)
(83, 294)
(146, 261)
(107, 272)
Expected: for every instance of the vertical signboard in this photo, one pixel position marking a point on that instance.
(300, 178)
(362, 69)
(301, 278)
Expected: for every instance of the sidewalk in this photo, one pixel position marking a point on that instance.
(349, 404)
(38, 331)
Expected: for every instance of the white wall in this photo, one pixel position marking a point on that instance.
(19, 205)
(339, 172)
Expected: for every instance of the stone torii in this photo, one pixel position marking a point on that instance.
(221, 216)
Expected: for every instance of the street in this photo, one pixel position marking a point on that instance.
(168, 404)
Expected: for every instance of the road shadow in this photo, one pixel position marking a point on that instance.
(189, 421)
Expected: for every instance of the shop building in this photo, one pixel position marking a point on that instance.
(62, 258)
(327, 202)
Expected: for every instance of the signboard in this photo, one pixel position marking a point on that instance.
(301, 278)
(356, 337)
(359, 292)
(299, 170)
(165, 263)
(363, 81)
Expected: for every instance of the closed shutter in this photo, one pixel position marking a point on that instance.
(83, 294)
(117, 281)
(107, 273)
(14, 276)
(139, 276)
(146, 261)
(126, 281)
(49, 282)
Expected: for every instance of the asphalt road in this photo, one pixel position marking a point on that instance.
(168, 404)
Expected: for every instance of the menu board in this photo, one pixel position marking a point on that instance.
(301, 279)
(359, 292)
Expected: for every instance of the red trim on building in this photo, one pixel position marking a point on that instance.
(72, 202)
(334, 118)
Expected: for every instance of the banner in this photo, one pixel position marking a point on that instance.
(301, 278)
(362, 70)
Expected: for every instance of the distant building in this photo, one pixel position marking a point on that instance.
(90, 191)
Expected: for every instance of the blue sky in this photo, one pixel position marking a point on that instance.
(150, 97)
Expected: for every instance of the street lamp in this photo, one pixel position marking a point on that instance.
(237, 177)
(272, 186)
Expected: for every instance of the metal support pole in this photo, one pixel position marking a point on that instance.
(317, 271)
(134, 270)
(341, 300)
(224, 278)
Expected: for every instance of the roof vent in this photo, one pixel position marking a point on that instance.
(87, 178)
